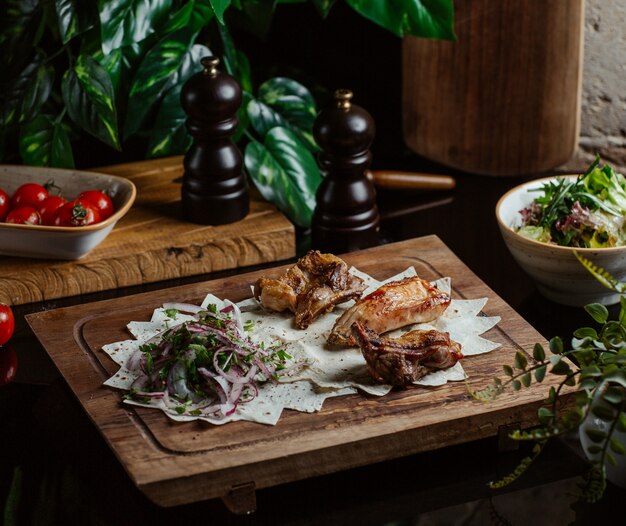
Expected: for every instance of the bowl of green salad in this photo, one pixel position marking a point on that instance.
(547, 221)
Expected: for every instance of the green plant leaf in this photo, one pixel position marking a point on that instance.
(598, 312)
(90, 100)
(285, 173)
(27, 93)
(125, 22)
(622, 311)
(294, 103)
(545, 415)
(613, 395)
(168, 63)
(605, 413)
(508, 370)
(595, 435)
(520, 361)
(556, 345)
(44, 142)
(219, 7)
(75, 17)
(516, 385)
(194, 14)
(420, 18)
(20, 31)
(540, 373)
(169, 134)
(538, 353)
(586, 332)
(561, 368)
(526, 379)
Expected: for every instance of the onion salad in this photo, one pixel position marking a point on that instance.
(207, 366)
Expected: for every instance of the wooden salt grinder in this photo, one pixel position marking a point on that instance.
(346, 217)
(215, 190)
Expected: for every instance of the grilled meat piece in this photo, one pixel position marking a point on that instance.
(394, 305)
(310, 288)
(401, 361)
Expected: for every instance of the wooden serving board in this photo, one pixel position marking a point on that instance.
(177, 463)
(152, 243)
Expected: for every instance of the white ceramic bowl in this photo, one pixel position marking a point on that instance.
(558, 274)
(56, 242)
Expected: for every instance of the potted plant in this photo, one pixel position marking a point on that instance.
(595, 363)
(113, 70)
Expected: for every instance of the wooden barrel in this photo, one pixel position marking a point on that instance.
(505, 98)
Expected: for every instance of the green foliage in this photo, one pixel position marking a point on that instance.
(596, 363)
(114, 68)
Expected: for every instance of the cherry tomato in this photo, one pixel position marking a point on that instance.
(29, 194)
(5, 204)
(101, 200)
(77, 213)
(7, 323)
(25, 215)
(48, 208)
(8, 364)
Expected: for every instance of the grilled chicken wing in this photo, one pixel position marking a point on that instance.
(310, 288)
(401, 361)
(394, 305)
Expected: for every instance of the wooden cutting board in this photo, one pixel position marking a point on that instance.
(152, 243)
(177, 463)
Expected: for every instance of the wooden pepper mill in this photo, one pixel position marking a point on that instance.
(215, 189)
(346, 217)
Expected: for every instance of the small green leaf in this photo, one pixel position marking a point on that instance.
(44, 142)
(516, 385)
(526, 379)
(168, 63)
(594, 450)
(622, 311)
(538, 353)
(421, 18)
(125, 22)
(586, 332)
(545, 415)
(540, 373)
(561, 368)
(617, 446)
(556, 345)
(520, 361)
(90, 100)
(598, 312)
(613, 395)
(595, 435)
(508, 370)
(75, 17)
(605, 413)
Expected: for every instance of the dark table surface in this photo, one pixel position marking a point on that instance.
(56, 469)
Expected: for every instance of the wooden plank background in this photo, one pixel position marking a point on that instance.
(176, 463)
(152, 243)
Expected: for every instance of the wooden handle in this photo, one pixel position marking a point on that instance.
(410, 180)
